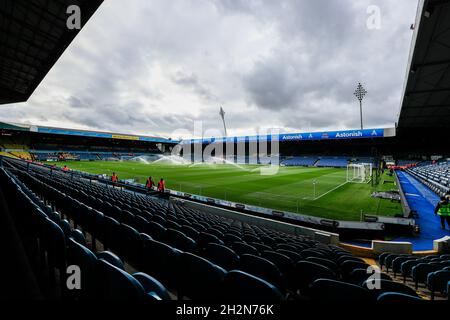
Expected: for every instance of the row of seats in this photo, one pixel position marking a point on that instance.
(432, 271)
(435, 176)
(195, 253)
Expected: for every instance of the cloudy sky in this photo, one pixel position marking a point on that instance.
(158, 66)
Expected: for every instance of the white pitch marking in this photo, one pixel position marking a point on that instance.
(330, 191)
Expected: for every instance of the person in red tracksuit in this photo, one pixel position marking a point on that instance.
(114, 178)
(161, 185)
(149, 185)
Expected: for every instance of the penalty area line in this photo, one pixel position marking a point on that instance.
(316, 198)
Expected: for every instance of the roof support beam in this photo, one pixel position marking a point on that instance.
(429, 64)
(427, 91)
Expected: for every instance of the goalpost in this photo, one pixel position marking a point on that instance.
(359, 172)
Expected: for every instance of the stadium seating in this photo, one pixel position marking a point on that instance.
(430, 271)
(336, 162)
(435, 176)
(300, 161)
(241, 286)
(327, 289)
(395, 297)
(188, 251)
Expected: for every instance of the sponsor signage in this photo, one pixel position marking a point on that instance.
(327, 135)
(106, 135)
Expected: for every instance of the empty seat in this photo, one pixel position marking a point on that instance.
(397, 263)
(333, 290)
(348, 266)
(161, 261)
(222, 256)
(307, 272)
(116, 284)
(325, 262)
(179, 240)
(111, 258)
(260, 246)
(341, 259)
(295, 257)
(244, 248)
(190, 232)
(358, 276)
(420, 272)
(376, 289)
(261, 268)
(437, 281)
(241, 286)
(130, 243)
(111, 228)
(198, 278)
(150, 284)
(156, 231)
(78, 236)
(406, 267)
(397, 297)
(82, 257)
(312, 253)
(205, 237)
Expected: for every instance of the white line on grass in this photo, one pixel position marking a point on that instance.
(316, 198)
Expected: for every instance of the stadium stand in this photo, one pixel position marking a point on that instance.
(272, 265)
(305, 161)
(427, 272)
(435, 176)
(336, 162)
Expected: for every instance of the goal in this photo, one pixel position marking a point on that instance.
(359, 172)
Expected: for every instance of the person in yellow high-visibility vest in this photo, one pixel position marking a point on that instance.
(443, 211)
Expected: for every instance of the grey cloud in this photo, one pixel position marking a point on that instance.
(287, 63)
(191, 81)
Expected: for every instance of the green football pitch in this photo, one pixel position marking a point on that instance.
(321, 192)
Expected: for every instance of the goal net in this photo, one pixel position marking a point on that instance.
(359, 172)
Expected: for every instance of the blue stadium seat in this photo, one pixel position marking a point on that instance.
(222, 256)
(205, 237)
(397, 263)
(198, 278)
(261, 268)
(395, 297)
(116, 284)
(78, 236)
(419, 273)
(82, 257)
(150, 284)
(312, 253)
(325, 262)
(111, 227)
(358, 276)
(161, 261)
(111, 258)
(130, 243)
(348, 266)
(244, 248)
(241, 286)
(156, 231)
(179, 240)
(307, 272)
(388, 286)
(437, 281)
(333, 290)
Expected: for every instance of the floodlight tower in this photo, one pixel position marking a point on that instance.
(222, 115)
(359, 93)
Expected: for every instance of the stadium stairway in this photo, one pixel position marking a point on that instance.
(422, 200)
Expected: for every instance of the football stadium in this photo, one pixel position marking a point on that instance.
(342, 214)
